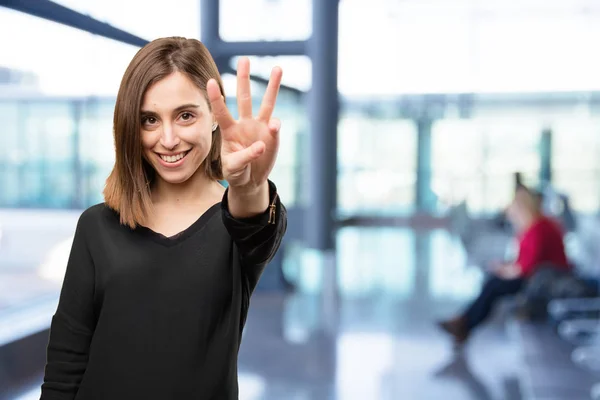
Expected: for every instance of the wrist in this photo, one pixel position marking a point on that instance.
(249, 191)
(248, 201)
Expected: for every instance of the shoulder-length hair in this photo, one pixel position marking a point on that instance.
(127, 188)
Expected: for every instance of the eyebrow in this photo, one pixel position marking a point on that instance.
(175, 111)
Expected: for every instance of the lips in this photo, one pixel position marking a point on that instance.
(171, 161)
(173, 158)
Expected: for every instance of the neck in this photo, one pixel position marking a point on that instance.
(190, 192)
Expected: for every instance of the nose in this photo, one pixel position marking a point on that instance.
(168, 138)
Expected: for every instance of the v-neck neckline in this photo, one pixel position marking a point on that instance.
(180, 237)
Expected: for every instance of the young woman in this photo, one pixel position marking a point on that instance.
(540, 243)
(160, 275)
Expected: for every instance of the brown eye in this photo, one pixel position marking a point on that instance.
(186, 116)
(148, 121)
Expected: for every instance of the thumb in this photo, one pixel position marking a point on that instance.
(237, 161)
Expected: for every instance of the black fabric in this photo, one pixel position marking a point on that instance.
(144, 316)
(493, 290)
(256, 245)
(548, 283)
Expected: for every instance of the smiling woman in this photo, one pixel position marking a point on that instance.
(161, 274)
(162, 103)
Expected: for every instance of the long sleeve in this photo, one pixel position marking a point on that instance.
(72, 324)
(257, 238)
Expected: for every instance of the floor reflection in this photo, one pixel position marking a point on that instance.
(458, 368)
(397, 354)
(393, 285)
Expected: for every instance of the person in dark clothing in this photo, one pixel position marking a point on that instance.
(540, 242)
(160, 275)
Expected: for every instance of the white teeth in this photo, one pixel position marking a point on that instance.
(172, 159)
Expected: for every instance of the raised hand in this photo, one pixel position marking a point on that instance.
(249, 145)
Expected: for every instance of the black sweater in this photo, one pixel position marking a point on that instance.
(144, 316)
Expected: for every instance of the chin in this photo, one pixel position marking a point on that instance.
(174, 177)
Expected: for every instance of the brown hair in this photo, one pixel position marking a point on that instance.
(127, 188)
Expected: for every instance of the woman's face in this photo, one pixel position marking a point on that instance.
(515, 214)
(176, 128)
(520, 212)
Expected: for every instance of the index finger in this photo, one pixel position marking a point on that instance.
(218, 106)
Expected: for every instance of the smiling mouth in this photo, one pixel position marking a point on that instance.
(173, 158)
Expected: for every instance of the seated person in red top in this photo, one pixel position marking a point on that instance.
(540, 243)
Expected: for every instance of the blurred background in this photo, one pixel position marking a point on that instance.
(404, 124)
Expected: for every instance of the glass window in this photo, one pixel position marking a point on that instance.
(424, 37)
(80, 118)
(270, 20)
(52, 138)
(476, 159)
(12, 118)
(533, 48)
(576, 161)
(38, 159)
(96, 146)
(373, 261)
(376, 166)
(148, 20)
(467, 46)
(456, 160)
(449, 277)
(46, 154)
(60, 62)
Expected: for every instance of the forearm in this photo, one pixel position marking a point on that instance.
(257, 237)
(245, 203)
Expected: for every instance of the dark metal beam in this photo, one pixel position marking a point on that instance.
(279, 48)
(57, 13)
(210, 36)
(209, 26)
(546, 156)
(323, 113)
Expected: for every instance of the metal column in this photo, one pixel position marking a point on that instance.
(209, 31)
(321, 167)
(209, 23)
(323, 107)
(546, 157)
(424, 195)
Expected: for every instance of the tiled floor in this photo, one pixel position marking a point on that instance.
(403, 358)
(384, 345)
